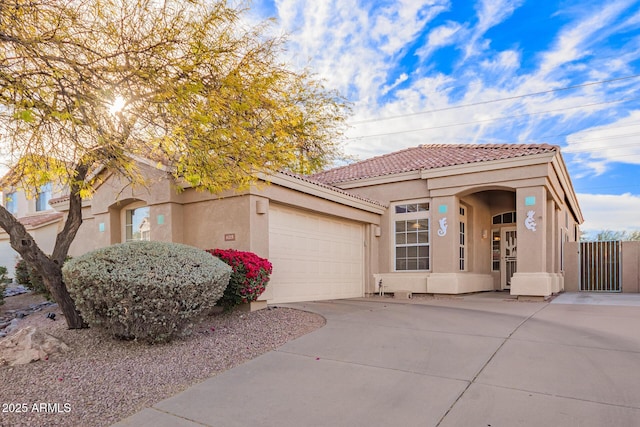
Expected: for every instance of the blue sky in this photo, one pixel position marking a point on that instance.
(492, 71)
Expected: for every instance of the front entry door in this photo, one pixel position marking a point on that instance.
(509, 255)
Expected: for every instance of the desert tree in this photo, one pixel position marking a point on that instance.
(611, 235)
(93, 84)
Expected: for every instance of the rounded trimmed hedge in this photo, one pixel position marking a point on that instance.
(148, 291)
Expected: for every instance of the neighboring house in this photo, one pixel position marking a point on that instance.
(39, 218)
(431, 219)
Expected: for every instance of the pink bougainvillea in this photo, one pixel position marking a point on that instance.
(249, 277)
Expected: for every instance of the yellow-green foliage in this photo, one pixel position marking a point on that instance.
(199, 91)
(148, 291)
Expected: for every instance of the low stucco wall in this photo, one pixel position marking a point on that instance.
(630, 269)
(571, 266)
(434, 283)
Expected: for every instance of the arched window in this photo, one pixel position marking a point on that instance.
(137, 223)
(504, 218)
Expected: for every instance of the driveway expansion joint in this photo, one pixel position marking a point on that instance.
(385, 368)
(562, 396)
(504, 341)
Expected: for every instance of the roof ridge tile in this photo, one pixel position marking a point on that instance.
(428, 156)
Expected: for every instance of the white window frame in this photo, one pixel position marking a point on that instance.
(420, 216)
(11, 202)
(462, 240)
(127, 225)
(43, 197)
(496, 244)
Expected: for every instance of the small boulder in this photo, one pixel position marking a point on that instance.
(12, 326)
(29, 345)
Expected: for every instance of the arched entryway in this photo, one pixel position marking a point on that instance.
(492, 219)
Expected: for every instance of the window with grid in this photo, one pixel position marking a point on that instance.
(463, 240)
(411, 229)
(495, 250)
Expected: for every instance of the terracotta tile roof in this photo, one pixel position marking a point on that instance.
(430, 156)
(311, 180)
(59, 199)
(34, 221)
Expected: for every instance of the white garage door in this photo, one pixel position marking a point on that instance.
(314, 257)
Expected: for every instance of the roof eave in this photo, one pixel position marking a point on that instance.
(488, 165)
(323, 191)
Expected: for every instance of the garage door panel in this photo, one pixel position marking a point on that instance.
(314, 257)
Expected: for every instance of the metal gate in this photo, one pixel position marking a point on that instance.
(601, 266)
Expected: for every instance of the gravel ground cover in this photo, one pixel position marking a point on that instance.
(103, 380)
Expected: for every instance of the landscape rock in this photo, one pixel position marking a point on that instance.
(12, 326)
(9, 322)
(29, 345)
(15, 290)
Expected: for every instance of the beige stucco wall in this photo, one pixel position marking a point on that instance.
(631, 267)
(207, 222)
(485, 190)
(236, 220)
(571, 267)
(44, 236)
(87, 237)
(443, 250)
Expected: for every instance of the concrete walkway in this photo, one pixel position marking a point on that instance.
(478, 360)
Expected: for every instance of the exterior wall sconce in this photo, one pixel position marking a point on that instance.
(485, 234)
(377, 231)
(261, 207)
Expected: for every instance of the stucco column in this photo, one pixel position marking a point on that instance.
(444, 235)
(532, 277)
(167, 222)
(99, 233)
(444, 246)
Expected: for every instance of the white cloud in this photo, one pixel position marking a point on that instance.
(610, 212)
(506, 60)
(359, 48)
(441, 36)
(577, 40)
(404, 20)
(401, 78)
(490, 13)
(352, 45)
(597, 147)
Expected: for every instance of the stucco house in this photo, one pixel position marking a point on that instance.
(429, 219)
(35, 213)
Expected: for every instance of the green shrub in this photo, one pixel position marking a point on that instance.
(22, 273)
(3, 281)
(31, 279)
(149, 291)
(249, 277)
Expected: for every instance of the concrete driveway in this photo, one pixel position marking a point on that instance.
(479, 360)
